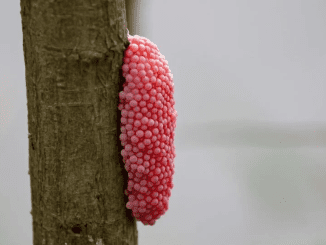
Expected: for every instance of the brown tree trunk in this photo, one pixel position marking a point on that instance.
(132, 10)
(73, 55)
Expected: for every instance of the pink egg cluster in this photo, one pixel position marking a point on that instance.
(148, 120)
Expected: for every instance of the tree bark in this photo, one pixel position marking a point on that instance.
(131, 11)
(73, 54)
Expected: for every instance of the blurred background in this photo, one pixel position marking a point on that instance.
(250, 92)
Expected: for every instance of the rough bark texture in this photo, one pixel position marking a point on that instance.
(73, 53)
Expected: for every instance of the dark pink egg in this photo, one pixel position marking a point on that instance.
(148, 122)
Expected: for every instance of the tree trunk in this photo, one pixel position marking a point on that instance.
(132, 11)
(73, 54)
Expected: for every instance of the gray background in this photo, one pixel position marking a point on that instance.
(250, 139)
